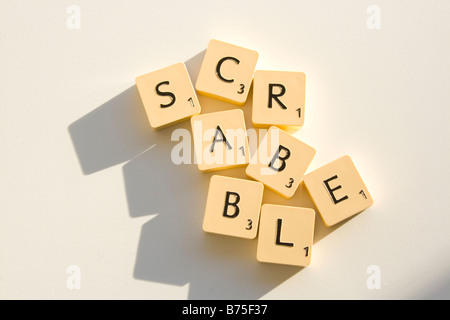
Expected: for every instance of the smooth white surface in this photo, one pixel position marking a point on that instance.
(85, 182)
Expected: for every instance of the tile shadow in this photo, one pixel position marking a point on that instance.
(111, 134)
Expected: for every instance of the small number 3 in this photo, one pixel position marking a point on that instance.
(241, 89)
(250, 224)
(291, 181)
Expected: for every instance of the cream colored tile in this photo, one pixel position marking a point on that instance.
(280, 162)
(226, 72)
(233, 207)
(338, 190)
(168, 95)
(220, 140)
(278, 98)
(285, 235)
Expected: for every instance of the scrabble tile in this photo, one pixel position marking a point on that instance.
(285, 235)
(226, 72)
(337, 191)
(233, 206)
(220, 140)
(280, 162)
(278, 98)
(168, 95)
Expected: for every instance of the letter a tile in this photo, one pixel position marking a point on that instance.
(220, 140)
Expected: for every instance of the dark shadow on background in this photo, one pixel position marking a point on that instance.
(113, 133)
(440, 291)
(118, 130)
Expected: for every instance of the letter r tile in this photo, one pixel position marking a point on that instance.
(278, 98)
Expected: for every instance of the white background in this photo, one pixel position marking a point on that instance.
(86, 182)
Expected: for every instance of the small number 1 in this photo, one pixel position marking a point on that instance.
(191, 101)
(363, 194)
(306, 251)
(299, 112)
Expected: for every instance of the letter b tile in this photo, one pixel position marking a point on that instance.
(280, 162)
(233, 206)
